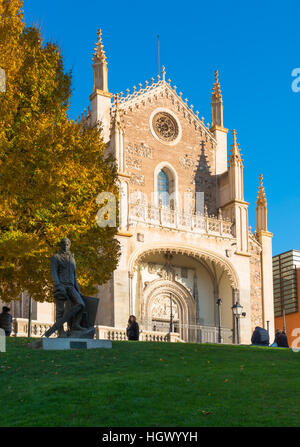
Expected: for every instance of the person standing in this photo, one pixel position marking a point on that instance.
(5, 320)
(132, 330)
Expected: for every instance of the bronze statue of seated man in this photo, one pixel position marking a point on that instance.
(66, 291)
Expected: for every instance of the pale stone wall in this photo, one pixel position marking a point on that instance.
(46, 312)
(225, 293)
(221, 151)
(223, 191)
(256, 285)
(105, 313)
(267, 280)
(193, 157)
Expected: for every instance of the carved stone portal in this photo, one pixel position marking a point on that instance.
(161, 309)
(156, 307)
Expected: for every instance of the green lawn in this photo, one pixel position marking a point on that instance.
(149, 384)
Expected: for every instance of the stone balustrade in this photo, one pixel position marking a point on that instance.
(203, 334)
(162, 216)
(111, 333)
(20, 328)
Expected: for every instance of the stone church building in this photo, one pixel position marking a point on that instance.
(183, 229)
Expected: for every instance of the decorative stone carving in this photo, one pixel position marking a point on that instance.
(133, 163)
(137, 179)
(187, 162)
(184, 272)
(165, 126)
(161, 309)
(140, 150)
(167, 272)
(255, 291)
(152, 268)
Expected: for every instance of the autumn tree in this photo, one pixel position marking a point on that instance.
(51, 169)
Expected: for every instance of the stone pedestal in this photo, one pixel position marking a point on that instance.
(50, 344)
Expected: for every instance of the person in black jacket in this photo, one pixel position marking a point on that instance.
(277, 335)
(132, 330)
(282, 340)
(260, 337)
(5, 320)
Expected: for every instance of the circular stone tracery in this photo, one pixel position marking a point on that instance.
(165, 126)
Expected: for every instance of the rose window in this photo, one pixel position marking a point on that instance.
(165, 126)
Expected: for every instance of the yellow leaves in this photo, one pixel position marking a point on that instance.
(51, 170)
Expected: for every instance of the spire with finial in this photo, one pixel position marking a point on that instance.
(261, 207)
(100, 97)
(216, 104)
(235, 154)
(236, 171)
(100, 65)
(261, 197)
(99, 53)
(216, 91)
(163, 72)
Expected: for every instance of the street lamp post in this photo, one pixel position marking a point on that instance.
(29, 316)
(283, 316)
(171, 315)
(237, 312)
(219, 302)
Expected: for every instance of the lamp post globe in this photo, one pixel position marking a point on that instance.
(219, 302)
(237, 310)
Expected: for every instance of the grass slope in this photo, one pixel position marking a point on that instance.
(149, 384)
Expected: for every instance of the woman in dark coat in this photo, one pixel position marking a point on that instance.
(5, 320)
(132, 330)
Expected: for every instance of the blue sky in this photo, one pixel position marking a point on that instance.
(254, 46)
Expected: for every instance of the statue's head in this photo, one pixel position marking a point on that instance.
(65, 244)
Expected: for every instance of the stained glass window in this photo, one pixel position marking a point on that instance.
(163, 188)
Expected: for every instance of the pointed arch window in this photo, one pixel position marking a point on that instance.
(163, 187)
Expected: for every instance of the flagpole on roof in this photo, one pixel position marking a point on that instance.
(158, 54)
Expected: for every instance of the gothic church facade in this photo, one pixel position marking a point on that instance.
(183, 228)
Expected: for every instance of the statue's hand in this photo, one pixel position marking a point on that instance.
(59, 289)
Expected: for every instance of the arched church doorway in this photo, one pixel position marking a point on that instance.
(165, 315)
(168, 306)
(179, 291)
